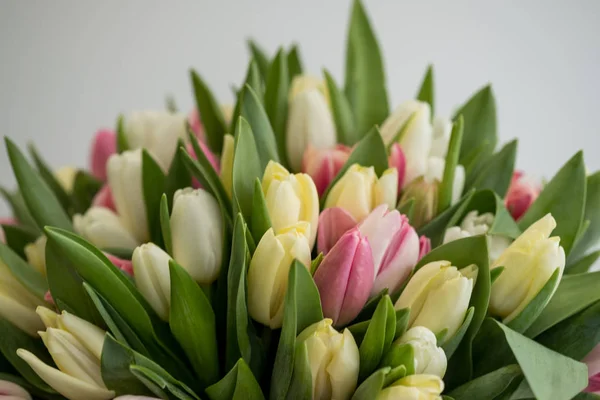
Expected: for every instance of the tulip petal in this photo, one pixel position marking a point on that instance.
(103, 146)
(333, 223)
(12, 391)
(86, 333)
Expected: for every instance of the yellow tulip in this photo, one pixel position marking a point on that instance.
(36, 254)
(414, 387)
(66, 177)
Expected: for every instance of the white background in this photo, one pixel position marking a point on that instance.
(68, 68)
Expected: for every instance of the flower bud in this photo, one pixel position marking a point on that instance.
(592, 360)
(429, 358)
(269, 269)
(345, 278)
(152, 278)
(333, 223)
(333, 358)
(124, 265)
(104, 198)
(442, 130)
(425, 195)
(309, 121)
(438, 296)
(522, 192)
(12, 391)
(125, 181)
(17, 304)
(324, 164)
(394, 246)
(424, 246)
(414, 387)
(290, 198)
(66, 177)
(156, 131)
(103, 229)
(397, 160)
(226, 174)
(197, 234)
(76, 348)
(528, 263)
(103, 146)
(36, 254)
(359, 191)
(196, 124)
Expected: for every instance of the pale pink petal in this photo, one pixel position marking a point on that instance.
(103, 146)
(424, 246)
(104, 198)
(124, 265)
(333, 223)
(397, 160)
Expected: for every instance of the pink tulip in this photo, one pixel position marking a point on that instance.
(104, 198)
(12, 391)
(103, 146)
(398, 160)
(124, 265)
(345, 278)
(424, 246)
(593, 362)
(394, 245)
(324, 164)
(333, 223)
(594, 384)
(196, 124)
(521, 194)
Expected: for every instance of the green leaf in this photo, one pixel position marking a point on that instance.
(192, 322)
(342, 113)
(591, 236)
(301, 386)
(447, 184)
(178, 176)
(495, 273)
(479, 113)
(488, 386)
(122, 143)
(41, 202)
(19, 236)
(427, 90)
(165, 225)
(276, 100)
(238, 384)
(452, 343)
(19, 208)
(574, 293)
(294, 62)
(48, 176)
(246, 169)
(401, 354)
(407, 208)
(260, 221)
(378, 338)
(563, 197)
(261, 58)
(153, 186)
(497, 172)
(370, 388)
(584, 264)
(210, 113)
(34, 281)
(365, 76)
(253, 80)
(85, 187)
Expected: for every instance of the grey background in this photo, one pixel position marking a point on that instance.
(69, 67)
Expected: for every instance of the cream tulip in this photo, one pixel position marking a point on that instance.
(310, 121)
(152, 277)
(104, 229)
(333, 358)
(197, 234)
(290, 198)
(66, 177)
(359, 191)
(76, 348)
(125, 181)
(414, 387)
(36, 254)
(438, 296)
(17, 304)
(428, 357)
(269, 268)
(528, 263)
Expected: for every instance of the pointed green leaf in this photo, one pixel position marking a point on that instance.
(210, 113)
(495, 273)
(447, 185)
(165, 225)
(497, 172)
(584, 264)
(48, 176)
(488, 386)
(342, 113)
(178, 176)
(436, 228)
(122, 144)
(427, 90)
(238, 384)
(85, 188)
(171, 104)
(19, 208)
(276, 100)
(115, 362)
(153, 186)
(261, 58)
(17, 237)
(253, 80)
(294, 62)
(301, 386)
(370, 388)
(246, 168)
(591, 236)
(33, 280)
(400, 354)
(378, 337)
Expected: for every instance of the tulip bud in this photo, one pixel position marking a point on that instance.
(66, 177)
(359, 191)
(412, 121)
(324, 164)
(197, 234)
(103, 146)
(156, 131)
(76, 348)
(528, 263)
(269, 269)
(12, 391)
(104, 198)
(394, 246)
(333, 358)
(345, 277)
(17, 304)
(522, 192)
(414, 387)
(424, 246)
(333, 223)
(309, 121)
(442, 130)
(429, 358)
(103, 229)
(290, 198)
(36, 254)
(425, 195)
(124, 265)
(438, 296)
(226, 174)
(397, 160)
(152, 278)
(125, 181)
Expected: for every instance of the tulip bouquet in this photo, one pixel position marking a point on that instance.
(306, 243)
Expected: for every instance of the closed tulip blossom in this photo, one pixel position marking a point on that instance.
(522, 192)
(12, 391)
(397, 160)
(76, 348)
(414, 387)
(333, 223)
(65, 176)
(324, 164)
(104, 229)
(151, 273)
(428, 357)
(438, 296)
(104, 145)
(269, 269)
(394, 246)
(359, 191)
(424, 246)
(528, 263)
(333, 358)
(345, 277)
(36, 254)
(290, 198)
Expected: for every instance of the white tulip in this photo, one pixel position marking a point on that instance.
(197, 234)
(442, 130)
(151, 274)
(36, 254)
(414, 387)
(66, 177)
(103, 229)
(125, 180)
(429, 358)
